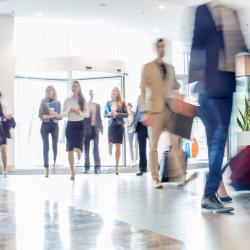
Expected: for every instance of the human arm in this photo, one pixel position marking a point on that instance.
(99, 118)
(198, 56)
(144, 79)
(123, 113)
(44, 112)
(107, 112)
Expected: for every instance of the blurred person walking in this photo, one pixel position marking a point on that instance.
(217, 39)
(158, 85)
(142, 135)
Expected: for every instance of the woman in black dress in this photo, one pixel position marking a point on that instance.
(116, 111)
(75, 109)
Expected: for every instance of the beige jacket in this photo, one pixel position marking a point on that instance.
(155, 92)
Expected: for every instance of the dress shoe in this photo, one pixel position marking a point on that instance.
(192, 177)
(72, 176)
(157, 184)
(225, 198)
(215, 204)
(97, 171)
(86, 171)
(116, 170)
(180, 178)
(46, 172)
(139, 173)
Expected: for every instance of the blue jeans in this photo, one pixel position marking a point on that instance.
(215, 113)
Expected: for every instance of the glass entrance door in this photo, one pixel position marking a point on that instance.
(29, 93)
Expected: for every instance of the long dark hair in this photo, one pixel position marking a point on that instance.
(81, 100)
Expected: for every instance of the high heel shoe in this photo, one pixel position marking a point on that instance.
(46, 172)
(225, 198)
(72, 176)
(116, 170)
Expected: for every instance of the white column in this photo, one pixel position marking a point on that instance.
(7, 71)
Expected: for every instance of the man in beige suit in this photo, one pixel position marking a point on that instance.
(157, 87)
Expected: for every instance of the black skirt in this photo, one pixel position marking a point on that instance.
(3, 138)
(115, 134)
(74, 135)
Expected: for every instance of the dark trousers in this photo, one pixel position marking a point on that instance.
(215, 114)
(94, 135)
(142, 135)
(46, 129)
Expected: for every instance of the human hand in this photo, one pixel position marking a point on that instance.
(77, 111)
(9, 116)
(146, 119)
(58, 116)
(72, 110)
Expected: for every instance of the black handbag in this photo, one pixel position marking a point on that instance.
(179, 124)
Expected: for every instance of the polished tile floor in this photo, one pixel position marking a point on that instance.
(114, 212)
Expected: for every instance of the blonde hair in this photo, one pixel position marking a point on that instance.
(50, 87)
(119, 99)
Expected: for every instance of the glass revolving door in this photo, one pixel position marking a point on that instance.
(30, 90)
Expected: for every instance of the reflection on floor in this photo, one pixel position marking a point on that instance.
(114, 212)
(55, 227)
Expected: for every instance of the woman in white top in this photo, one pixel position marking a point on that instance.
(75, 109)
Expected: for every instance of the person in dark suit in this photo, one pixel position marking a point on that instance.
(142, 135)
(92, 127)
(216, 41)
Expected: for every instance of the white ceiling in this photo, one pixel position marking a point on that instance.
(140, 14)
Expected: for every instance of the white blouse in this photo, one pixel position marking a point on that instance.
(73, 103)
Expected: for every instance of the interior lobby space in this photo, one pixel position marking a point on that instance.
(73, 84)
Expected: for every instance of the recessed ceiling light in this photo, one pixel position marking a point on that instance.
(156, 30)
(39, 14)
(161, 7)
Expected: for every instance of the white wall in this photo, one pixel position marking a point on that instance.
(7, 69)
(38, 37)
